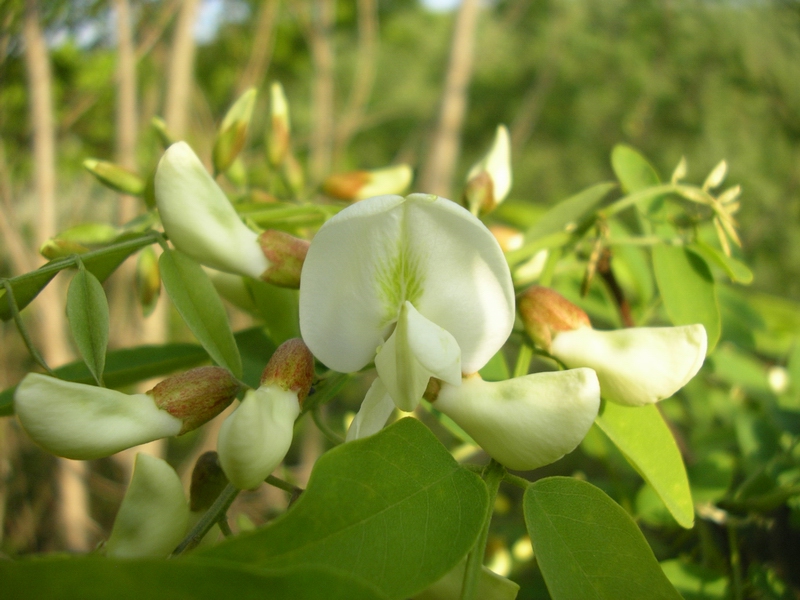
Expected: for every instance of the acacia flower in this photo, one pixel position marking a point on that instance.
(420, 286)
(635, 366)
(80, 421)
(255, 438)
(489, 180)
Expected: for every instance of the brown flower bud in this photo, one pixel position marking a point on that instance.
(208, 481)
(545, 312)
(196, 396)
(291, 367)
(286, 255)
(345, 186)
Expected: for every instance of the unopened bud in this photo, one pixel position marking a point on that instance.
(148, 280)
(496, 164)
(545, 312)
(279, 136)
(233, 131)
(196, 396)
(508, 237)
(57, 248)
(293, 174)
(165, 136)
(291, 367)
(285, 255)
(716, 177)
(115, 177)
(359, 185)
(479, 194)
(208, 481)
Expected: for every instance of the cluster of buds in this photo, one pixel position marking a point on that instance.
(255, 438)
(80, 421)
(201, 222)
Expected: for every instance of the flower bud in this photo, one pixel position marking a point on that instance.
(291, 367)
(57, 248)
(292, 172)
(635, 366)
(148, 280)
(165, 136)
(285, 255)
(208, 481)
(489, 180)
(526, 422)
(153, 516)
(200, 220)
(359, 185)
(255, 438)
(233, 131)
(80, 421)
(508, 237)
(196, 396)
(115, 177)
(545, 312)
(279, 136)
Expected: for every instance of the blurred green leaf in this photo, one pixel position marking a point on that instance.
(633, 170)
(711, 477)
(87, 314)
(687, 289)
(736, 270)
(587, 546)
(95, 578)
(201, 307)
(695, 582)
(734, 367)
(101, 263)
(570, 211)
(394, 511)
(645, 440)
(491, 586)
(496, 369)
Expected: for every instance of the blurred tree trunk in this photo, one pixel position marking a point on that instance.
(321, 22)
(55, 349)
(364, 76)
(263, 42)
(181, 70)
(437, 172)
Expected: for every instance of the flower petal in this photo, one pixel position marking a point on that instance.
(81, 421)
(255, 438)
(365, 262)
(376, 408)
(526, 422)
(154, 514)
(416, 351)
(199, 219)
(635, 366)
(497, 162)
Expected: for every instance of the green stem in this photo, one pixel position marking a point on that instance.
(213, 515)
(516, 480)
(736, 566)
(283, 485)
(225, 528)
(472, 574)
(23, 331)
(333, 437)
(523, 360)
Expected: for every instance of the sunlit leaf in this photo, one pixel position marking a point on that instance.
(735, 269)
(570, 211)
(587, 546)
(633, 170)
(392, 510)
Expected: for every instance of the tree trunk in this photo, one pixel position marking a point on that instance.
(322, 12)
(181, 70)
(437, 173)
(263, 42)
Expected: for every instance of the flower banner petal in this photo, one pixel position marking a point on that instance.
(526, 422)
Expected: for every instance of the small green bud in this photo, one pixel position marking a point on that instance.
(285, 254)
(57, 248)
(291, 367)
(279, 136)
(233, 131)
(482, 195)
(196, 396)
(115, 177)
(545, 312)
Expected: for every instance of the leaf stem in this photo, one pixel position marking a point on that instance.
(23, 331)
(493, 475)
(215, 514)
(523, 360)
(284, 485)
(333, 437)
(516, 480)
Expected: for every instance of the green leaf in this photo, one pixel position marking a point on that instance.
(87, 313)
(695, 582)
(687, 289)
(568, 212)
(394, 511)
(491, 586)
(256, 349)
(95, 578)
(645, 440)
(200, 307)
(125, 367)
(587, 546)
(633, 170)
(735, 269)
(101, 263)
(278, 307)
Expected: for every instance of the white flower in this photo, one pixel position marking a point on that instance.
(81, 421)
(526, 422)
(255, 438)
(635, 366)
(418, 277)
(489, 180)
(199, 219)
(154, 514)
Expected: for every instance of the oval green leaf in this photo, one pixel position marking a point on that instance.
(394, 511)
(587, 546)
(87, 314)
(200, 307)
(736, 270)
(687, 289)
(645, 440)
(633, 170)
(571, 210)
